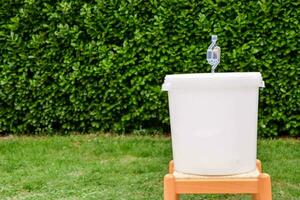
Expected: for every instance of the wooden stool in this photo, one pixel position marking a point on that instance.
(259, 186)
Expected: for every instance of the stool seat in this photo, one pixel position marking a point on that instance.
(256, 183)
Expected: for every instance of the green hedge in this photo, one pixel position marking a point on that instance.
(99, 65)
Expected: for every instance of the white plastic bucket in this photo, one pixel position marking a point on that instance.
(214, 121)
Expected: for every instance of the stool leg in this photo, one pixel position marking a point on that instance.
(264, 188)
(169, 188)
(258, 165)
(171, 167)
(255, 196)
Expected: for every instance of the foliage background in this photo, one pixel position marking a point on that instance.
(99, 65)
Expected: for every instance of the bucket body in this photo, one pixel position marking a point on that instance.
(214, 122)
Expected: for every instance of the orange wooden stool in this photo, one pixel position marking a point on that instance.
(259, 187)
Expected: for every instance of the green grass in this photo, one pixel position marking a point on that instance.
(118, 167)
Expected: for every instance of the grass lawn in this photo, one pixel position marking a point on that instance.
(118, 167)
